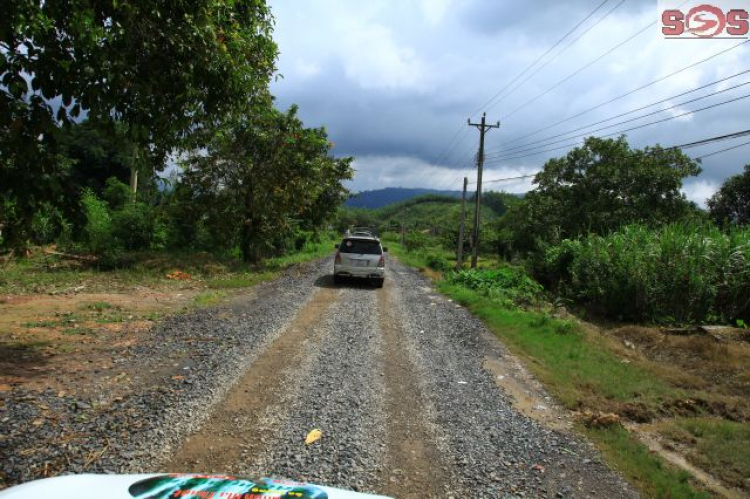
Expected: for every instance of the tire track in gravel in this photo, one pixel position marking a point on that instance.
(343, 397)
(235, 428)
(492, 450)
(413, 460)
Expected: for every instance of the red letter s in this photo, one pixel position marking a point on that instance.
(673, 23)
(737, 22)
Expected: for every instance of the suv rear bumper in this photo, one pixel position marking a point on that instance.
(373, 273)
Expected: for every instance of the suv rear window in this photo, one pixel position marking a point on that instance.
(360, 246)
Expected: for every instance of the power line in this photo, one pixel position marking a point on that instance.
(448, 146)
(688, 145)
(642, 87)
(445, 154)
(578, 71)
(723, 150)
(558, 42)
(530, 146)
(619, 132)
(546, 63)
(507, 178)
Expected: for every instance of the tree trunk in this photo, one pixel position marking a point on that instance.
(249, 241)
(133, 181)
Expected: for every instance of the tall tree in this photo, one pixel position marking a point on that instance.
(266, 171)
(600, 186)
(165, 70)
(731, 204)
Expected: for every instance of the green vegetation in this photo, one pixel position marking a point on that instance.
(209, 298)
(506, 286)
(731, 204)
(580, 367)
(31, 275)
(678, 273)
(597, 188)
(721, 447)
(653, 477)
(148, 86)
(254, 182)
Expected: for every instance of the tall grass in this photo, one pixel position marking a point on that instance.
(682, 273)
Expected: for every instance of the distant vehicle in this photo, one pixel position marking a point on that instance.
(360, 256)
(362, 233)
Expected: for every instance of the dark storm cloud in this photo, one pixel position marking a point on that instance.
(394, 81)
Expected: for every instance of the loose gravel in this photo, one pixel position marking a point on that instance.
(342, 396)
(187, 367)
(495, 451)
(486, 448)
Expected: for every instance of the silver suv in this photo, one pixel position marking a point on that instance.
(360, 256)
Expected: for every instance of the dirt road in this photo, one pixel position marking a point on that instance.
(397, 381)
(413, 396)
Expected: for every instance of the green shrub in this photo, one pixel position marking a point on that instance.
(680, 273)
(98, 230)
(134, 226)
(437, 262)
(508, 285)
(418, 240)
(116, 193)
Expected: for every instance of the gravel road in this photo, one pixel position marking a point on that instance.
(393, 378)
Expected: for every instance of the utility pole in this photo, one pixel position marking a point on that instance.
(483, 128)
(403, 226)
(460, 249)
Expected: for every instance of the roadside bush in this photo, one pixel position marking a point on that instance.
(48, 224)
(98, 230)
(679, 273)
(116, 193)
(437, 262)
(134, 226)
(509, 286)
(418, 240)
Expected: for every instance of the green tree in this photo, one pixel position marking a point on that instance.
(599, 187)
(731, 204)
(166, 70)
(263, 173)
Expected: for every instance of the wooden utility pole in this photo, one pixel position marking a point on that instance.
(403, 226)
(460, 248)
(483, 128)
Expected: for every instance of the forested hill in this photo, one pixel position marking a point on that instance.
(383, 197)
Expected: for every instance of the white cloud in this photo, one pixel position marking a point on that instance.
(306, 69)
(699, 191)
(377, 172)
(393, 79)
(372, 57)
(434, 10)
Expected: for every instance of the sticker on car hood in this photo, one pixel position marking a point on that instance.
(221, 487)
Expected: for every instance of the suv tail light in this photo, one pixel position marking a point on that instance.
(338, 257)
(381, 263)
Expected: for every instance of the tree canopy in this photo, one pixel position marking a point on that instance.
(165, 72)
(601, 186)
(731, 204)
(267, 174)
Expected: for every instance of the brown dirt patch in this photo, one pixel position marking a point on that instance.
(649, 436)
(526, 394)
(712, 373)
(69, 341)
(413, 461)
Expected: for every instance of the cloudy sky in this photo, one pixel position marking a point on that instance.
(394, 82)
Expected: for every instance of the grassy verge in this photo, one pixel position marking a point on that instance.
(582, 371)
(53, 274)
(716, 445)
